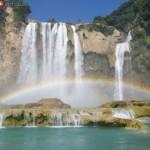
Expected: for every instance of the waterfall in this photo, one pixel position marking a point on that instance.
(1, 120)
(60, 52)
(31, 120)
(56, 119)
(45, 61)
(44, 53)
(121, 48)
(65, 119)
(28, 65)
(123, 113)
(78, 55)
(76, 120)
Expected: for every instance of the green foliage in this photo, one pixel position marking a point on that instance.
(21, 11)
(130, 14)
(133, 15)
(2, 18)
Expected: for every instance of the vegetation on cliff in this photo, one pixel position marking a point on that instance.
(129, 15)
(21, 11)
(133, 15)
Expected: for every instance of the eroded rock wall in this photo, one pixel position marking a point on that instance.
(10, 49)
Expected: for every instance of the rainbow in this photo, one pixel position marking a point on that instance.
(29, 89)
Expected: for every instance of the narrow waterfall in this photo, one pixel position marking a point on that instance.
(121, 48)
(123, 113)
(45, 61)
(78, 55)
(1, 120)
(76, 120)
(31, 120)
(57, 119)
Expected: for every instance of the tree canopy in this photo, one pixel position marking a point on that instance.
(130, 14)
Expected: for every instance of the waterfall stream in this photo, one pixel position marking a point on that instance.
(1, 120)
(28, 65)
(78, 55)
(65, 120)
(121, 49)
(123, 113)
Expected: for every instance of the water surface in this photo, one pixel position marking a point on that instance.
(86, 138)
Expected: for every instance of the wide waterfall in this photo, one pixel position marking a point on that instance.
(121, 48)
(44, 53)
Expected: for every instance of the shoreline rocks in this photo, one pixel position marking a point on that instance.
(53, 112)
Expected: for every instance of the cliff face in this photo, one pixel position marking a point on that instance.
(10, 45)
(97, 42)
(99, 51)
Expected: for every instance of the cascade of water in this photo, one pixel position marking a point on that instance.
(78, 55)
(76, 120)
(1, 120)
(65, 119)
(56, 119)
(48, 46)
(50, 61)
(33, 119)
(123, 113)
(30, 118)
(44, 44)
(60, 52)
(28, 65)
(121, 48)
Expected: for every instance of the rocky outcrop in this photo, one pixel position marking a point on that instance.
(98, 50)
(97, 42)
(10, 49)
(55, 113)
(141, 109)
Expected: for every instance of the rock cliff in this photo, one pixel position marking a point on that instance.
(10, 45)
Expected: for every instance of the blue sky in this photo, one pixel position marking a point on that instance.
(71, 10)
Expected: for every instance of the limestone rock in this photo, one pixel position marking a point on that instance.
(97, 42)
